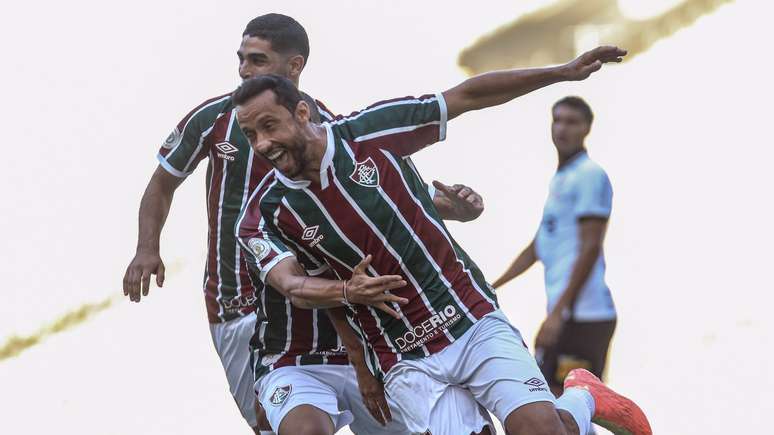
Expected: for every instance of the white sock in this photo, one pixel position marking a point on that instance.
(580, 404)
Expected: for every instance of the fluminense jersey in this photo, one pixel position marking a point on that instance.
(371, 200)
(211, 131)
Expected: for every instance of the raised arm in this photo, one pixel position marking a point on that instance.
(154, 208)
(498, 87)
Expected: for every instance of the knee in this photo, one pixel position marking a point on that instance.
(305, 427)
(535, 420)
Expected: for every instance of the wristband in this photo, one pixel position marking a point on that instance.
(346, 296)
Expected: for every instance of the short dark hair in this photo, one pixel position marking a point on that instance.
(285, 92)
(285, 34)
(578, 104)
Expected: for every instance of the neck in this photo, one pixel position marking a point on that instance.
(564, 158)
(317, 142)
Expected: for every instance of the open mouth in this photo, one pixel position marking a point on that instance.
(276, 155)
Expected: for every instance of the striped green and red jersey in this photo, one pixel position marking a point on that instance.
(210, 131)
(371, 200)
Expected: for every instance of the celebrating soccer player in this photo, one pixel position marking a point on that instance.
(343, 200)
(271, 43)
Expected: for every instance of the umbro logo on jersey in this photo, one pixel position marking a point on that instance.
(536, 384)
(225, 149)
(310, 235)
(366, 173)
(281, 394)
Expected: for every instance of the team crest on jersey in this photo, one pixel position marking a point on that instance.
(259, 247)
(281, 394)
(366, 173)
(173, 139)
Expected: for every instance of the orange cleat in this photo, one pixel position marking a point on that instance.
(613, 411)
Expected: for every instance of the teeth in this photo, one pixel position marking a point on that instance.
(275, 155)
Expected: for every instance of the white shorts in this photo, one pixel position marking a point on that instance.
(232, 342)
(490, 361)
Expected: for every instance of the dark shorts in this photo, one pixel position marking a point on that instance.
(580, 345)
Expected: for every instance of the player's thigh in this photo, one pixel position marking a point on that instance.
(364, 423)
(498, 369)
(538, 418)
(284, 389)
(425, 402)
(232, 343)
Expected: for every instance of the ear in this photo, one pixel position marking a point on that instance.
(296, 64)
(303, 113)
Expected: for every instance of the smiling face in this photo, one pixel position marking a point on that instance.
(256, 57)
(276, 133)
(569, 129)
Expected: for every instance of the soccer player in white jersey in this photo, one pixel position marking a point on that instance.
(271, 43)
(581, 315)
(343, 193)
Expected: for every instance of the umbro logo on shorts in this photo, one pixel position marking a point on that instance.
(536, 383)
(226, 149)
(281, 394)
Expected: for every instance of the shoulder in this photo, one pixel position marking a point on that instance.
(589, 170)
(208, 110)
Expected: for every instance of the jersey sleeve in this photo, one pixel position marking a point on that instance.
(184, 148)
(594, 194)
(264, 244)
(401, 126)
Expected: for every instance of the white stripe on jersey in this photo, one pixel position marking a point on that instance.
(245, 191)
(438, 226)
(219, 297)
(395, 130)
(383, 106)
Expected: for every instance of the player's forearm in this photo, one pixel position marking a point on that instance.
(521, 264)
(589, 252)
(350, 340)
(154, 209)
(309, 292)
(499, 87)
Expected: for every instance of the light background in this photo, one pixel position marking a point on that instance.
(91, 89)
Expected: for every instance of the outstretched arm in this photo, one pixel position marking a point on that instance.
(498, 87)
(154, 209)
(524, 261)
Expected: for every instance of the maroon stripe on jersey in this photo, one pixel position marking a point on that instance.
(356, 230)
(434, 240)
(324, 108)
(301, 330)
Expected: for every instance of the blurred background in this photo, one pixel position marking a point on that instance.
(683, 129)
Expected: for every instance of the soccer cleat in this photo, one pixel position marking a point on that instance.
(613, 411)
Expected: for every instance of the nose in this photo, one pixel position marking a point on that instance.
(244, 71)
(262, 145)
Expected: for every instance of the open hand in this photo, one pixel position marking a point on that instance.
(138, 274)
(367, 290)
(591, 61)
(458, 202)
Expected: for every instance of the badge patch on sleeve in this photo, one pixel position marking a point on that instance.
(259, 247)
(173, 139)
(281, 394)
(366, 173)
